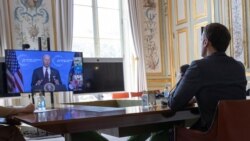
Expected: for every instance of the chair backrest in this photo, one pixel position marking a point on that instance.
(231, 123)
(233, 120)
(120, 95)
(136, 94)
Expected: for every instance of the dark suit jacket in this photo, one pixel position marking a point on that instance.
(38, 75)
(213, 78)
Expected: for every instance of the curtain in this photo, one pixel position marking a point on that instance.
(64, 35)
(135, 11)
(64, 24)
(5, 27)
(129, 60)
(5, 39)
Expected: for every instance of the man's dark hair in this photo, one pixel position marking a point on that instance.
(218, 35)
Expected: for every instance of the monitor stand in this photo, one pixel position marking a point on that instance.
(52, 100)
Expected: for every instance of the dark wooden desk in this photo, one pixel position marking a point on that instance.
(70, 119)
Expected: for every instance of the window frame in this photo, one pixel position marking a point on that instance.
(96, 36)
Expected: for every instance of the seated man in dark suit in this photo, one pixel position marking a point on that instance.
(211, 79)
(45, 74)
(12, 133)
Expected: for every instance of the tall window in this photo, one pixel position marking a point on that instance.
(97, 29)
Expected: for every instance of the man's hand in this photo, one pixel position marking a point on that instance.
(29, 108)
(39, 82)
(56, 82)
(192, 101)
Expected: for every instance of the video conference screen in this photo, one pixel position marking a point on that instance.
(33, 71)
(102, 76)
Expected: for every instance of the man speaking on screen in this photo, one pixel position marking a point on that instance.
(45, 74)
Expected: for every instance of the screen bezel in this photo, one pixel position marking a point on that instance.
(102, 60)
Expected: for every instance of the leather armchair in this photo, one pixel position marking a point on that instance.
(231, 123)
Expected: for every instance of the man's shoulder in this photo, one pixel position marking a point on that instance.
(53, 69)
(38, 69)
(202, 60)
(213, 61)
(197, 62)
(200, 63)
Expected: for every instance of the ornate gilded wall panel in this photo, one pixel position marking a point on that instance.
(154, 51)
(29, 20)
(238, 28)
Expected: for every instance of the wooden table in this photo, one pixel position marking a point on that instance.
(121, 121)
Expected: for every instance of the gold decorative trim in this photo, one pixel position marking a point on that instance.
(181, 21)
(158, 84)
(197, 28)
(202, 14)
(220, 10)
(180, 31)
(212, 11)
(245, 43)
(171, 48)
(161, 80)
(247, 37)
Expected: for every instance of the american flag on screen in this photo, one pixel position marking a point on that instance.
(14, 75)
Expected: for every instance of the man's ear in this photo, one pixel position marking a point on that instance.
(204, 48)
(205, 43)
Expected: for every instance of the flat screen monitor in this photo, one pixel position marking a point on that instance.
(31, 71)
(3, 83)
(102, 75)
